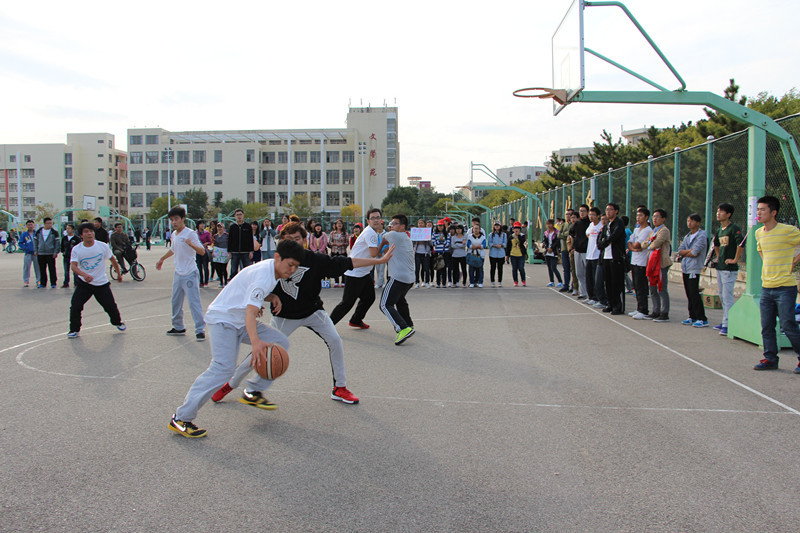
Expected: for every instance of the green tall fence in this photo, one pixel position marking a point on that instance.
(692, 180)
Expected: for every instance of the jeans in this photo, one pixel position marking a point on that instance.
(239, 260)
(566, 267)
(29, 260)
(661, 297)
(726, 281)
(421, 262)
(202, 267)
(517, 265)
(476, 275)
(778, 302)
(552, 267)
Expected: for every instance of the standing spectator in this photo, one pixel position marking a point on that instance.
(422, 250)
(692, 254)
(593, 257)
(68, 242)
(137, 235)
(256, 241)
(639, 254)
(3, 238)
(359, 284)
(185, 281)
(517, 253)
(551, 244)
(148, 234)
(357, 229)
(448, 256)
(100, 233)
(628, 234)
(431, 273)
(167, 238)
(440, 245)
(26, 245)
(659, 241)
(401, 268)
(563, 236)
(119, 242)
(318, 240)
(202, 260)
(88, 262)
(380, 268)
(776, 244)
(284, 221)
(337, 242)
(573, 219)
(497, 242)
(46, 245)
(476, 246)
(240, 243)
(220, 256)
(727, 249)
(580, 243)
(267, 238)
(614, 243)
(458, 247)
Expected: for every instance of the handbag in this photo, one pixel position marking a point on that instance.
(220, 255)
(438, 262)
(474, 260)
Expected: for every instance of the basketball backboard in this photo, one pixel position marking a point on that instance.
(568, 53)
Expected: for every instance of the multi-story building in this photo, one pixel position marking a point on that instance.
(571, 156)
(520, 173)
(62, 174)
(333, 167)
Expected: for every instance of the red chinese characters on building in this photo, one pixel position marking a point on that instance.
(372, 154)
(372, 137)
(372, 172)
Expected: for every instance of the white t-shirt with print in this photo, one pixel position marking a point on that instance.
(185, 262)
(591, 248)
(249, 287)
(92, 260)
(642, 236)
(368, 239)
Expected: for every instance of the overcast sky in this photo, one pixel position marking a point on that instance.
(450, 67)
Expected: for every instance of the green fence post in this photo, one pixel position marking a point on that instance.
(628, 173)
(610, 185)
(709, 185)
(676, 191)
(650, 183)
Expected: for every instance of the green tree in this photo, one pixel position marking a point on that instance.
(227, 207)
(256, 211)
(196, 201)
(159, 207)
(41, 211)
(409, 195)
(607, 154)
(352, 210)
(426, 199)
(397, 208)
(561, 171)
(299, 206)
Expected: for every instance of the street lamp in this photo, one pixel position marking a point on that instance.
(168, 150)
(362, 151)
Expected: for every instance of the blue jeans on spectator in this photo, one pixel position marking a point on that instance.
(778, 303)
(566, 266)
(475, 275)
(517, 266)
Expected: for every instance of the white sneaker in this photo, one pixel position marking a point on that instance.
(639, 316)
(471, 285)
(480, 285)
(427, 285)
(632, 313)
(499, 284)
(598, 305)
(590, 302)
(493, 284)
(416, 286)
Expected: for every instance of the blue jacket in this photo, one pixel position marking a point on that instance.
(494, 238)
(26, 242)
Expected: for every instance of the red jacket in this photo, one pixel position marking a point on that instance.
(653, 269)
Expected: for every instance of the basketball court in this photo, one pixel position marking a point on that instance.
(509, 410)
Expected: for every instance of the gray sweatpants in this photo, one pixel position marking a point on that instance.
(189, 286)
(318, 322)
(726, 281)
(225, 341)
(580, 271)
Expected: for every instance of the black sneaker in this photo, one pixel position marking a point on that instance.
(200, 336)
(176, 332)
(661, 318)
(186, 429)
(256, 400)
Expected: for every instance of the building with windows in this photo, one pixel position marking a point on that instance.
(571, 156)
(88, 164)
(333, 167)
(520, 173)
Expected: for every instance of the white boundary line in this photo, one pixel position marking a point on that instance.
(698, 363)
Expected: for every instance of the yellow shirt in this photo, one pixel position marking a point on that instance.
(516, 251)
(777, 248)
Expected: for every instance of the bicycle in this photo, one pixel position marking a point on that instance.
(136, 270)
(11, 246)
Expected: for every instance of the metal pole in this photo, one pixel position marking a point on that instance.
(650, 183)
(610, 185)
(362, 150)
(676, 191)
(628, 172)
(19, 187)
(709, 184)
(322, 177)
(169, 181)
(289, 177)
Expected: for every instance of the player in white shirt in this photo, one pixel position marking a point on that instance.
(232, 320)
(358, 283)
(88, 261)
(186, 246)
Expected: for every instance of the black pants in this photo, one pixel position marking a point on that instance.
(459, 265)
(222, 272)
(441, 274)
(691, 284)
(239, 260)
(591, 273)
(83, 292)
(422, 268)
(362, 289)
(496, 263)
(395, 306)
(202, 266)
(67, 270)
(614, 277)
(640, 285)
(552, 267)
(47, 262)
(566, 266)
(336, 279)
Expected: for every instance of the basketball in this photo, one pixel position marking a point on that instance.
(275, 364)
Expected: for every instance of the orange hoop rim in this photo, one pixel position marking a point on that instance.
(559, 95)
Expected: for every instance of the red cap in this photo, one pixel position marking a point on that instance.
(442, 222)
(517, 225)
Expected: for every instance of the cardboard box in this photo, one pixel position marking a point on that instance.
(711, 300)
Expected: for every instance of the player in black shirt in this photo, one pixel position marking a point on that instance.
(301, 306)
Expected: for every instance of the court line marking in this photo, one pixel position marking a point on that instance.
(698, 363)
(504, 317)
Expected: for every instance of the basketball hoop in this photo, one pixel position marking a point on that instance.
(559, 95)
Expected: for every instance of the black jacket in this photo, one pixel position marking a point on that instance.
(67, 244)
(613, 235)
(240, 238)
(299, 294)
(522, 245)
(100, 234)
(554, 244)
(578, 231)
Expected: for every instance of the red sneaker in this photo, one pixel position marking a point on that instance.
(343, 395)
(221, 393)
(363, 325)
